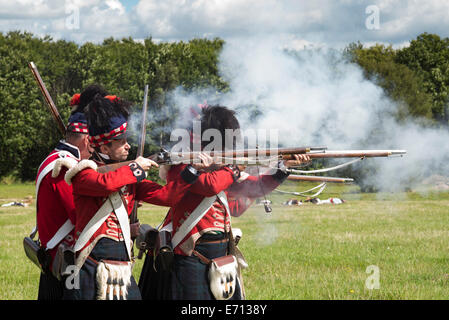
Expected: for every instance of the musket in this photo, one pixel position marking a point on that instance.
(50, 104)
(256, 156)
(141, 146)
(296, 177)
(244, 156)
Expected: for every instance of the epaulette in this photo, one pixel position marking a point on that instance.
(80, 166)
(66, 162)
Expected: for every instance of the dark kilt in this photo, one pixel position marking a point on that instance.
(50, 288)
(106, 249)
(188, 279)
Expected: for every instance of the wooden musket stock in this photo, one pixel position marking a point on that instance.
(50, 104)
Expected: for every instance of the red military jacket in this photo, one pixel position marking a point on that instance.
(91, 189)
(55, 206)
(240, 192)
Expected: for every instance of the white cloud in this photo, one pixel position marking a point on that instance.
(29, 9)
(335, 23)
(324, 21)
(178, 18)
(95, 19)
(116, 5)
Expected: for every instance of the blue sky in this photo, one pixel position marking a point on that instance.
(129, 4)
(302, 23)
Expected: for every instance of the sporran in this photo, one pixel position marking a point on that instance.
(113, 279)
(223, 275)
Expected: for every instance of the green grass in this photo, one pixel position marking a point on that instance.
(16, 191)
(305, 252)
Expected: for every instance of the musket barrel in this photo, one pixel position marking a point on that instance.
(51, 105)
(398, 152)
(141, 145)
(353, 154)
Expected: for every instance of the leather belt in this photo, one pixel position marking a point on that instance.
(211, 241)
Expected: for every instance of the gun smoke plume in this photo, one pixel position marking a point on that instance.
(316, 97)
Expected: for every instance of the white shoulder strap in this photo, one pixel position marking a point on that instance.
(48, 168)
(41, 176)
(62, 232)
(224, 201)
(113, 203)
(122, 215)
(97, 220)
(196, 216)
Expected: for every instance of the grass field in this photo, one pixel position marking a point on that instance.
(305, 252)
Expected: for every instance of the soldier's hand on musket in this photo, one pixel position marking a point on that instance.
(146, 163)
(298, 160)
(207, 163)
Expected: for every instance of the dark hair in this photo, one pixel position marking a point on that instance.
(220, 118)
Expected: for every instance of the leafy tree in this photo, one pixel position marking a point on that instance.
(399, 82)
(428, 56)
(417, 77)
(120, 66)
(27, 133)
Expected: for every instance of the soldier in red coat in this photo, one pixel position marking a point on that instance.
(200, 224)
(55, 206)
(104, 201)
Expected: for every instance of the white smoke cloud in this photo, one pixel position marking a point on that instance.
(312, 97)
(316, 97)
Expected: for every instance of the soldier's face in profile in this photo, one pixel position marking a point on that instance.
(117, 150)
(85, 149)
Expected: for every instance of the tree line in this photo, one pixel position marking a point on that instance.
(123, 67)
(416, 76)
